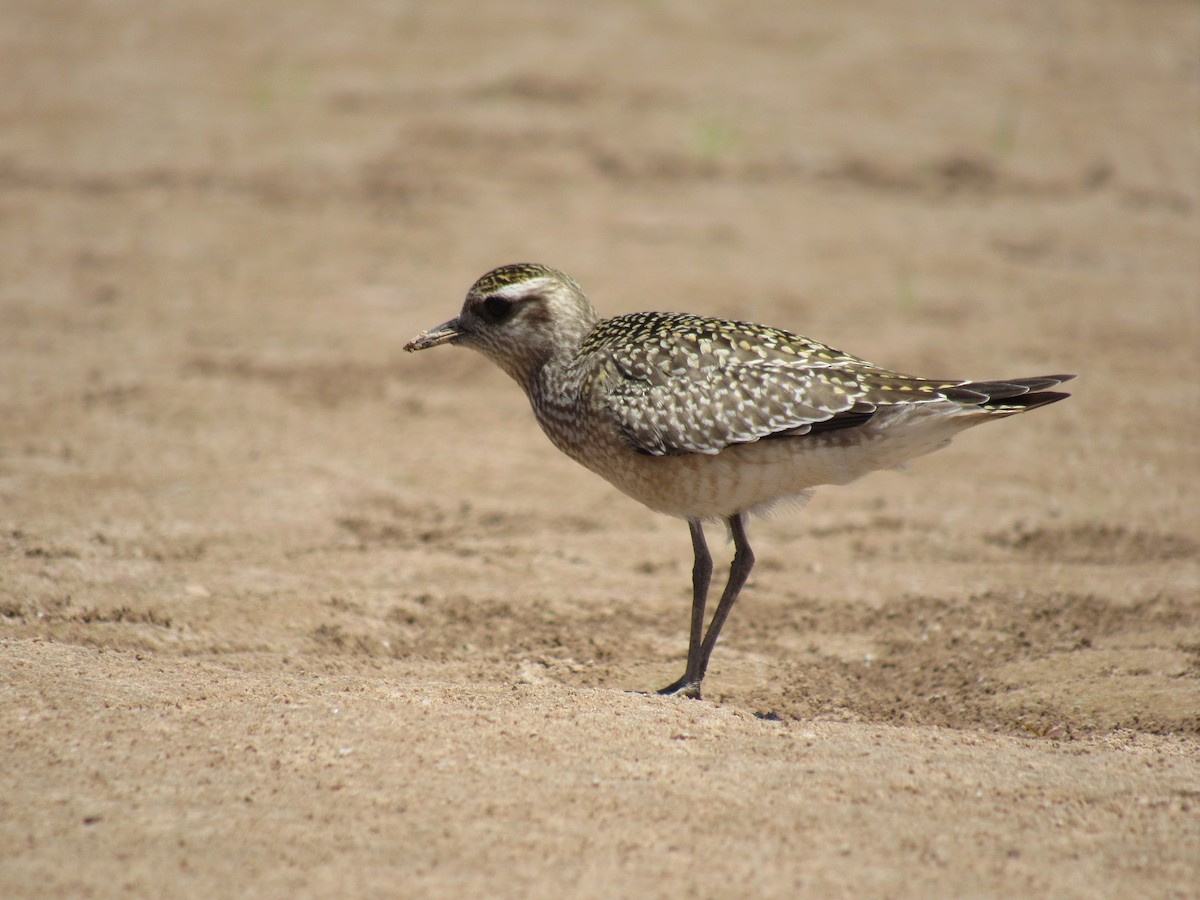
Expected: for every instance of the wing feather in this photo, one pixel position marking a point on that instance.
(676, 383)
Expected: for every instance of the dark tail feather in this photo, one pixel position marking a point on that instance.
(1012, 393)
(1027, 401)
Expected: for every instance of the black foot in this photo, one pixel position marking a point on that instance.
(682, 688)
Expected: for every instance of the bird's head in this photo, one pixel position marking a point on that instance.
(519, 316)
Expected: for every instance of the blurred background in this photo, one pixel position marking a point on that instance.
(333, 172)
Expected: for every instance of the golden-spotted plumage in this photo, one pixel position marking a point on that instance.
(707, 418)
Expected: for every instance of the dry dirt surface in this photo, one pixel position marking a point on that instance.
(286, 612)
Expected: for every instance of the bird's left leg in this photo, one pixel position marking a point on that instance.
(689, 684)
(739, 572)
(699, 651)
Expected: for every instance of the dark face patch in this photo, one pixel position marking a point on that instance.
(499, 311)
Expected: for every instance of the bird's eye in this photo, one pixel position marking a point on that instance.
(497, 309)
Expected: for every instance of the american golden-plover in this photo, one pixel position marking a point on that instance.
(710, 419)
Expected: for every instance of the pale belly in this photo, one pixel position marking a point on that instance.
(753, 477)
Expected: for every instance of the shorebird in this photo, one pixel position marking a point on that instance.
(710, 419)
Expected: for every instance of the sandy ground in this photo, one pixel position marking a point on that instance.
(284, 611)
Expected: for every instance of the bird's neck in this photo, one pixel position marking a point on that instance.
(554, 361)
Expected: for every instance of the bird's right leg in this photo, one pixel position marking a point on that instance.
(689, 684)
